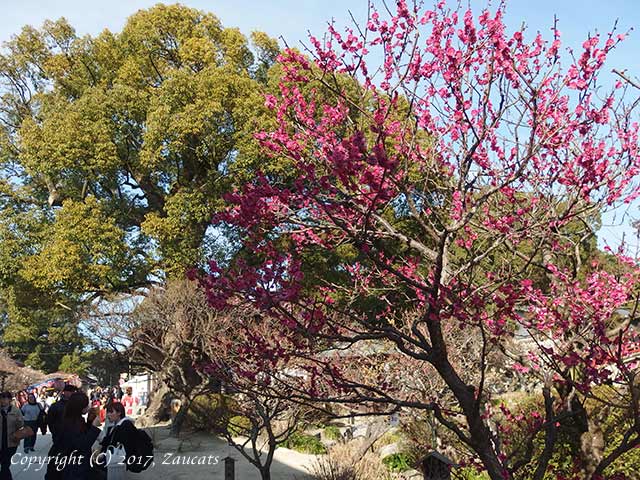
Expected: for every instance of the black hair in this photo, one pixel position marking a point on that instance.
(73, 410)
(116, 407)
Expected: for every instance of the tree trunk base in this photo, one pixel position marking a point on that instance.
(158, 409)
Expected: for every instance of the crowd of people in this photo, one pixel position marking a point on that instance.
(74, 419)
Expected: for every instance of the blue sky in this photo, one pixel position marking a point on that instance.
(292, 20)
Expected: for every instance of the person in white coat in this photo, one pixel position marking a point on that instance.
(33, 415)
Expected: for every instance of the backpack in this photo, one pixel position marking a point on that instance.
(42, 420)
(141, 457)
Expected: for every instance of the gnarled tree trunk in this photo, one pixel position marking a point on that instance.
(158, 409)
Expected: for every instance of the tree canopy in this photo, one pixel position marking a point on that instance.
(115, 151)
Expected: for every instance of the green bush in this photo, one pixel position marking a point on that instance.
(332, 433)
(613, 422)
(398, 462)
(207, 413)
(565, 451)
(214, 413)
(613, 428)
(304, 444)
(239, 426)
(416, 434)
(468, 473)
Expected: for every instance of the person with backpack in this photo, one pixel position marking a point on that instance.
(121, 431)
(33, 415)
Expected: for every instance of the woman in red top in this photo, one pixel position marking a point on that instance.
(129, 401)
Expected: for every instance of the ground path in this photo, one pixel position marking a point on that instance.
(177, 459)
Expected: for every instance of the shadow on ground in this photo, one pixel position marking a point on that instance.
(196, 456)
(193, 456)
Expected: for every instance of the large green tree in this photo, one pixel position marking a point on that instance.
(115, 151)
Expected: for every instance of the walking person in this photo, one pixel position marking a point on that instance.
(33, 415)
(21, 398)
(76, 437)
(50, 400)
(56, 411)
(42, 399)
(11, 423)
(129, 401)
(55, 417)
(119, 430)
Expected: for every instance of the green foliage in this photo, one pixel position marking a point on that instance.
(115, 151)
(74, 362)
(145, 122)
(208, 413)
(239, 426)
(388, 438)
(303, 443)
(105, 365)
(468, 473)
(331, 432)
(36, 361)
(398, 462)
(612, 421)
(83, 250)
(37, 326)
(566, 448)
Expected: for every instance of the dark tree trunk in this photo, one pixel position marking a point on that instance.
(265, 473)
(479, 432)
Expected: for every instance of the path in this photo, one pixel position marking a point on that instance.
(198, 457)
(21, 470)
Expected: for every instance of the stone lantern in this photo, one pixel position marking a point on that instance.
(435, 466)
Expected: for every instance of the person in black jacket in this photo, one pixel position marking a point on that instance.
(76, 438)
(56, 412)
(121, 430)
(55, 417)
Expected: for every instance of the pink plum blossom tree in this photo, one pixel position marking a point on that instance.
(455, 192)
